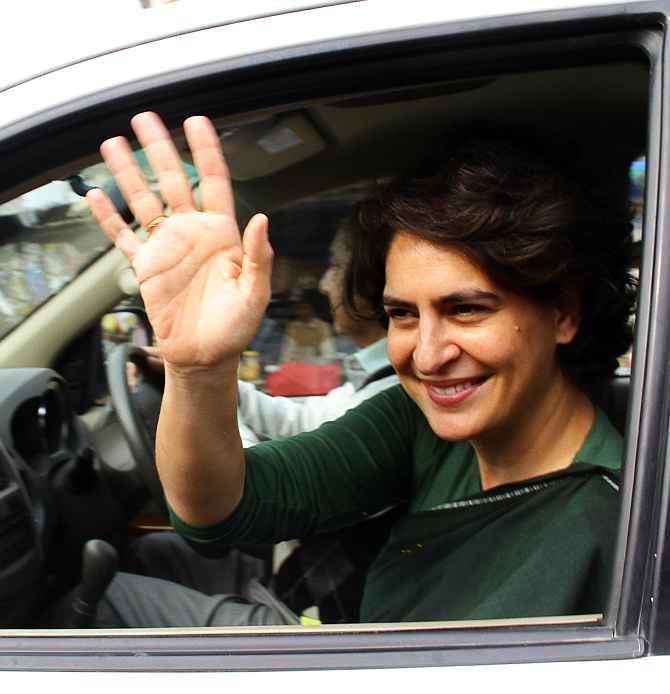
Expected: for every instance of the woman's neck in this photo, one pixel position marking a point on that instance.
(545, 440)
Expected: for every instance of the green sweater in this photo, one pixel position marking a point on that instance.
(539, 547)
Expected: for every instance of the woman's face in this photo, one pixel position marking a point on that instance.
(478, 360)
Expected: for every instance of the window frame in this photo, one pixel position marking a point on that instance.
(646, 575)
(631, 621)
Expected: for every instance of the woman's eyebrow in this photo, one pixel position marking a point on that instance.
(387, 299)
(452, 298)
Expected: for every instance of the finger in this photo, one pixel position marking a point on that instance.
(165, 161)
(112, 223)
(118, 156)
(216, 192)
(257, 261)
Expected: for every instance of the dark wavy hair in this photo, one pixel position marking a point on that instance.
(532, 228)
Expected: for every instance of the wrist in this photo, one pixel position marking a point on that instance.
(202, 377)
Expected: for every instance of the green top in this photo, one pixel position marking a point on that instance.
(539, 547)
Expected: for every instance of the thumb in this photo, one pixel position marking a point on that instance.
(256, 246)
(258, 254)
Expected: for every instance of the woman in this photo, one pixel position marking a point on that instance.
(502, 303)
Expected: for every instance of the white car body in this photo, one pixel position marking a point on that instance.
(64, 56)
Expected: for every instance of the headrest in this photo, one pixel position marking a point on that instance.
(612, 397)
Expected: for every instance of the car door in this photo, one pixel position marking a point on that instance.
(316, 88)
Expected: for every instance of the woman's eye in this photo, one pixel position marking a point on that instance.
(468, 310)
(398, 313)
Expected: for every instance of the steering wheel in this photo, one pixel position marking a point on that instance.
(136, 428)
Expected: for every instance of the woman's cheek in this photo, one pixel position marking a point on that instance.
(399, 347)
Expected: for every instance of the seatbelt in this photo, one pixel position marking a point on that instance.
(385, 371)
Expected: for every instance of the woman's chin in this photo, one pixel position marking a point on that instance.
(454, 427)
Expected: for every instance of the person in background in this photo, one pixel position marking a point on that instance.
(307, 338)
(366, 372)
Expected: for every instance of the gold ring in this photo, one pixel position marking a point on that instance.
(157, 221)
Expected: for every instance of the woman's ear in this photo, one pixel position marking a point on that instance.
(568, 315)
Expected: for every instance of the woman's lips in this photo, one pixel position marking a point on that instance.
(446, 395)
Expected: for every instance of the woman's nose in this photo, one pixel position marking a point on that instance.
(433, 352)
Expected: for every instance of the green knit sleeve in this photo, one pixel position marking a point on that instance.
(329, 478)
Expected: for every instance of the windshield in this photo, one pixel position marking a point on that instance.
(48, 237)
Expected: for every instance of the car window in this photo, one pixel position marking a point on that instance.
(299, 350)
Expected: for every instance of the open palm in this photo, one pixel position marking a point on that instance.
(204, 286)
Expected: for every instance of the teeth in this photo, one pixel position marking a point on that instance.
(452, 390)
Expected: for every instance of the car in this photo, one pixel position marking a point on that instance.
(315, 102)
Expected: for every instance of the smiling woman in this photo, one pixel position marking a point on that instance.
(502, 300)
(492, 442)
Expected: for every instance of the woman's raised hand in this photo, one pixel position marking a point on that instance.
(204, 286)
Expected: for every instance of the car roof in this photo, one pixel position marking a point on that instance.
(126, 23)
(37, 48)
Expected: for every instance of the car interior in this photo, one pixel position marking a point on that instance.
(75, 436)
